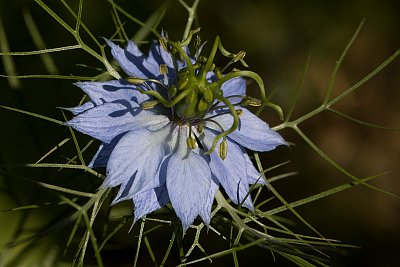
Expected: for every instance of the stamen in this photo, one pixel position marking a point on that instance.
(200, 127)
(191, 142)
(251, 101)
(234, 126)
(223, 149)
(134, 80)
(164, 44)
(163, 69)
(150, 104)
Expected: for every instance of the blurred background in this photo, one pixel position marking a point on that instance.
(278, 36)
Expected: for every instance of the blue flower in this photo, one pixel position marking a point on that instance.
(159, 128)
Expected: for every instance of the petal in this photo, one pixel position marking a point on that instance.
(188, 181)
(111, 119)
(82, 108)
(102, 92)
(252, 133)
(253, 176)
(234, 87)
(138, 154)
(159, 57)
(149, 201)
(205, 212)
(100, 159)
(132, 60)
(231, 172)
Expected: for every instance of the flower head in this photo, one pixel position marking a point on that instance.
(173, 130)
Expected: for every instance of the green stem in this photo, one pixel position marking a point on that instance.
(234, 126)
(207, 67)
(260, 83)
(192, 12)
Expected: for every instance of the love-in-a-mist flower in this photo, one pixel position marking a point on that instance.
(174, 130)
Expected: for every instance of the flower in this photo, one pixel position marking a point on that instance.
(159, 128)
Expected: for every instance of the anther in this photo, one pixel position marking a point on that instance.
(164, 44)
(251, 101)
(239, 56)
(191, 142)
(149, 104)
(223, 149)
(202, 59)
(163, 69)
(218, 73)
(200, 127)
(134, 80)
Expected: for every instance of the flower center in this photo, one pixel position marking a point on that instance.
(192, 95)
(196, 96)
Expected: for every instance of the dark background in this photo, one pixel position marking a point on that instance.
(277, 36)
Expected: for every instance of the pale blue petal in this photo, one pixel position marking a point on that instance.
(205, 212)
(253, 133)
(149, 201)
(132, 60)
(138, 154)
(230, 172)
(82, 108)
(159, 56)
(188, 181)
(111, 119)
(110, 91)
(100, 159)
(253, 176)
(234, 87)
